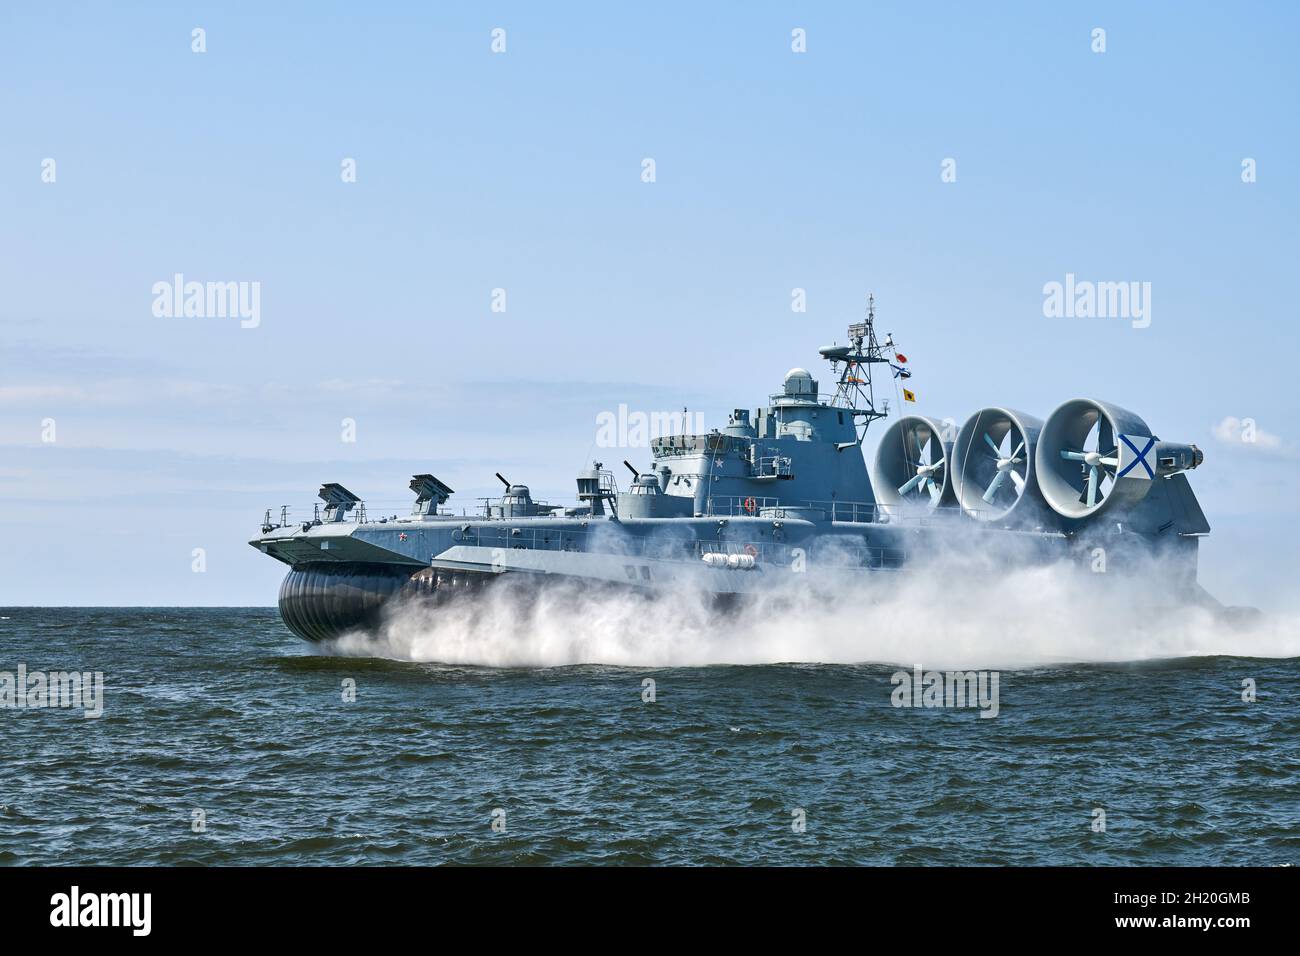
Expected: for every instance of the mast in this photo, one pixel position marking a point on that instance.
(855, 391)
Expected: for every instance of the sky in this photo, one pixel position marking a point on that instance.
(951, 160)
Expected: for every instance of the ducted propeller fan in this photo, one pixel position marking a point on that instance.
(994, 462)
(911, 467)
(1092, 455)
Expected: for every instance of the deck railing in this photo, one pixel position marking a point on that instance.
(721, 506)
(669, 546)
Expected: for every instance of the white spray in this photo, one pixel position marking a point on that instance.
(965, 607)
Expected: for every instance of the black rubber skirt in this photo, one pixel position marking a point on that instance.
(326, 599)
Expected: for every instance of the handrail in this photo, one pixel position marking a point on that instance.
(723, 506)
(670, 547)
(862, 512)
(298, 515)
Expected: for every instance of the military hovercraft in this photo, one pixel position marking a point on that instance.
(783, 489)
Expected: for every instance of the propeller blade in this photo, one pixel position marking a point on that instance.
(1072, 455)
(935, 491)
(993, 486)
(925, 438)
(1017, 480)
(1016, 453)
(1092, 485)
(935, 466)
(1110, 462)
(910, 484)
(992, 444)
(911, 447)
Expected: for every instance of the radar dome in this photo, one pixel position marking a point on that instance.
(799, 381)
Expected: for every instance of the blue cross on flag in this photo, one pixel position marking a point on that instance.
(1136, 457)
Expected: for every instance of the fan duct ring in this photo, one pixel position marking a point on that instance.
(993, 462)
(1078, 458)
(910, 471)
